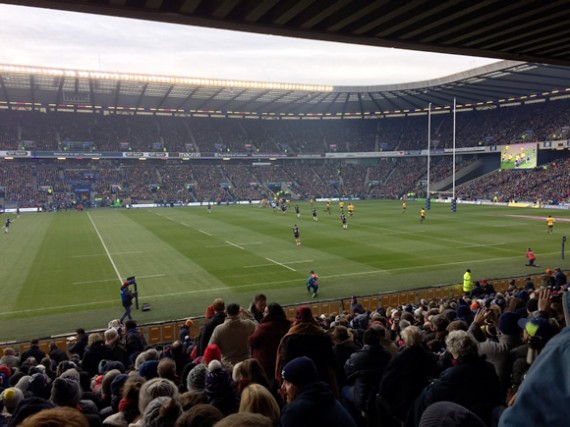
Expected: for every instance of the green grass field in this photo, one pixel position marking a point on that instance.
(63, 270)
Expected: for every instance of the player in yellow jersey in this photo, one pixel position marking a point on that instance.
(422, 215)
(404, 207)
(350, 209)
(549, 224)
(341, 206)
(328, 208)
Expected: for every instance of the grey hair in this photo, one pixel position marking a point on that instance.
(461, 343)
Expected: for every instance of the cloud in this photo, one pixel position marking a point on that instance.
(42, 37)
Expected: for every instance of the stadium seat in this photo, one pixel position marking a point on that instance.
(168, 333)
(154, 335)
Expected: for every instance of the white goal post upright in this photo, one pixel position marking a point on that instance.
(453, 175)
(428, 157)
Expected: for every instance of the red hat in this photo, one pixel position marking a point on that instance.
(5, 369)
(212, 352)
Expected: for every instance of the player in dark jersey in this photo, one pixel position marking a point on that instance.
(315, 217)
(343, 220)
(298, 211)
(297, 235)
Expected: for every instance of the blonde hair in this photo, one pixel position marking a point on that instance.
(257, 399)
(93, 338)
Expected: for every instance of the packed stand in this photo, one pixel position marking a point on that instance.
(486, 359)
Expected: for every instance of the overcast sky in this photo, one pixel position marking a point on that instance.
(42, 37)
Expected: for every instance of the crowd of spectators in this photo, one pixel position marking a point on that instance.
(487, 358)
(491, 126)
(41, 182)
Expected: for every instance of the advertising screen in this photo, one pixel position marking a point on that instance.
(519, 156)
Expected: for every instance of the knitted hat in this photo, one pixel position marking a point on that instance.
(212, 352)
(23, 383)
(154, 388)
(508, 323)
(161, 412)
(118, 383)
(5, 369)
(38, 386)
(65, 392)
(71, 373)
(300, 371)
(149, 369)
(449, 414)
(218, 380)
(196, 379)
(11, 397)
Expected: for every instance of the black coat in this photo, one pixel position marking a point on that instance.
(364, 369)
(93, 355)
(473, 384)
(208, 330)
(405, 377)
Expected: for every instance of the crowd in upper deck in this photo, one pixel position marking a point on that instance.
(25, 182)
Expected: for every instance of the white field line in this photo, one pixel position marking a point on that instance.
(204, 232)
(110, 280)
(259, 285)
(105, 247)
(235, 245)
(114, 253)
(282, 265)
(290, 262)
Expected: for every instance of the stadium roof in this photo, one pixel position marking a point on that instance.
(523, 30)
(531, 30)
(503, 82)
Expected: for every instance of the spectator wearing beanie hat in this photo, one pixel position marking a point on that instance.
(212, 352)
(11, 397)
(161, 412)
(220, 389)
(509, 336)
(307, 338)
(196, 380)
(154, 388)
(65, 392)
(309, 401)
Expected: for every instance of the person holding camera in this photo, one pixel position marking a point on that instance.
(127, 301)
